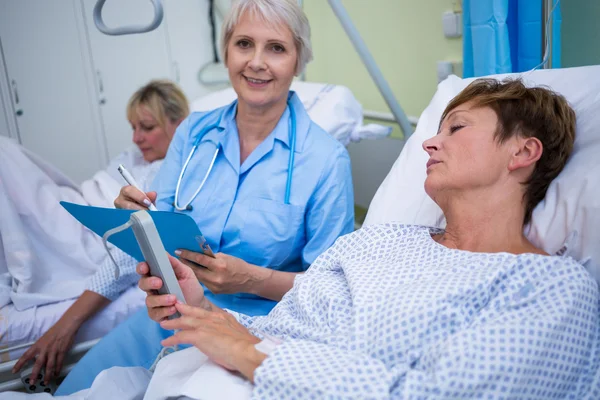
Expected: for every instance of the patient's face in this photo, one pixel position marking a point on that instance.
(150, 137)
(464, 156)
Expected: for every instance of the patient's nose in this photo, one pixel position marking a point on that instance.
(431, 145)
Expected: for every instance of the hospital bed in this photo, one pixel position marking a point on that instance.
(332, 107)
(565, 222)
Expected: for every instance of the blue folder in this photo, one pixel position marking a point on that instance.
(177, 231)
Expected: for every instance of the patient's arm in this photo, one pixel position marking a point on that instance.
(162, 306)
(49, 351)
(539, 341)
(102, 288)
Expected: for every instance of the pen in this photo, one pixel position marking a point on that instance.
(130, 180)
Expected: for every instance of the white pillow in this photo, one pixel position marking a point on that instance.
(334, 108)
(569, 214)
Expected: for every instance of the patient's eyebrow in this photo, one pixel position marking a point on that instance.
(454, 112)
(449, 117)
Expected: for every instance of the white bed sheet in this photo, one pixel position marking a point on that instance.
(21, 327)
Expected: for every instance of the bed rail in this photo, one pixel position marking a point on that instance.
(10, 381)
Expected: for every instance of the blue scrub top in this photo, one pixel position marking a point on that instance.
(241, 210)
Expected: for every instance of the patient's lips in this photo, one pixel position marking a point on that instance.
(432, 162)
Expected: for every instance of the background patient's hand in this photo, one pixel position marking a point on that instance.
(49, 351)
(131, 198)
(163, 306)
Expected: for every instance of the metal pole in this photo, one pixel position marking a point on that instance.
(547, 32)
(374, 71)
(303, 74)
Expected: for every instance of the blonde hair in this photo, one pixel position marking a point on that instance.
(272, 12)
(163, 99)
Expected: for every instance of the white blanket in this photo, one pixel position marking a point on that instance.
(186, 374)
(45, 254)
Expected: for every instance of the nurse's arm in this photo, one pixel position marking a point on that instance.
(269, 283)
(225, 274)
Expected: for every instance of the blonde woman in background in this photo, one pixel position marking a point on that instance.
(154, 111)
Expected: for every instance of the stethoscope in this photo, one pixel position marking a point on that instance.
(288, 186)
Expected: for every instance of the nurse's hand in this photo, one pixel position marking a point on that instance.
(131, 198)
(162, 306)
(223, 274)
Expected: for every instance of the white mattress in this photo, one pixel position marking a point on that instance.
(21, 327)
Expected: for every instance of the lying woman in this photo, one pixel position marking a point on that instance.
(154, 112)
(472, 311)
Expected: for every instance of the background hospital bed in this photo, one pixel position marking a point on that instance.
(332, 107)
(20, 329)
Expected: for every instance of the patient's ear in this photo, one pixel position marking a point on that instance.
(526, 153)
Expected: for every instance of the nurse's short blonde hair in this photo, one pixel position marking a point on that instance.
(163, 99)
(272, 12)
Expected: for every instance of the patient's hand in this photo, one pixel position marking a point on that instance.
(131, 198)
(163, 306)
(49, 351)
(218, 335)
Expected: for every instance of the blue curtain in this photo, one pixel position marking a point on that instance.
(502, 36)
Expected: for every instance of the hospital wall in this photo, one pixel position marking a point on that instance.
(57, 70)
(580, 32)
(405, 37)
(406, 40)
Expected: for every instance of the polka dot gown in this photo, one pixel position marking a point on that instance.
(387, 312)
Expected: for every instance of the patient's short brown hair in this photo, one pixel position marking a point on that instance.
(530, 112)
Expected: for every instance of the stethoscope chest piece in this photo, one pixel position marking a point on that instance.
(189, 207)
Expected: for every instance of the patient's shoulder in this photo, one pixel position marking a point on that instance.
(557, 271)
(396, 229)
(390, 231)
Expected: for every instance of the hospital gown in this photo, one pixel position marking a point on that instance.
(387, 312)
(45, 254)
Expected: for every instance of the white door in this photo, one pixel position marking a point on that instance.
(124, 63)
(190, 41)
(46, 77)
(4, 119)
(8, 123)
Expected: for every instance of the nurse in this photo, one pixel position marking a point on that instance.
(268, 188)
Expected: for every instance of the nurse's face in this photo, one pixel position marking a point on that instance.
(261, 59)
(149, 136)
